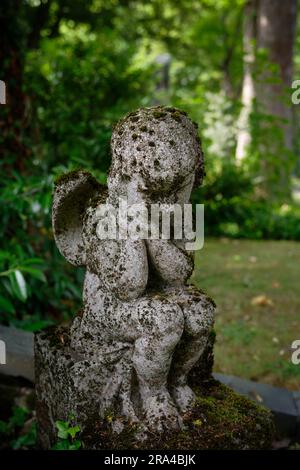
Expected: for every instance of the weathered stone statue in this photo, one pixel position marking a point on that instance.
(128, 355)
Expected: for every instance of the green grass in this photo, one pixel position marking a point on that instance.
(253, 341)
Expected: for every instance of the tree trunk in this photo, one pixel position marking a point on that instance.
(12, 117)
(248, 88)
(276, 24)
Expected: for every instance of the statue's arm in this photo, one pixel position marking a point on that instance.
(121, 265)
(173, 264)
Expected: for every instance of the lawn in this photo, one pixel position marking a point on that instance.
(256, 285)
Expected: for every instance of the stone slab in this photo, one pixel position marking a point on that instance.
(281, 401)
(19, 353)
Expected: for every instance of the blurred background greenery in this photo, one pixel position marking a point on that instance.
(73, 67)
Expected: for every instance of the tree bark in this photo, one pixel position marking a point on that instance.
(12, 117)
(248, 87)
(276, 24)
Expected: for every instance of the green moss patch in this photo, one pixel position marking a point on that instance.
(74, 175)
(220, 419)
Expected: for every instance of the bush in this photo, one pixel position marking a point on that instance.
(232, 210)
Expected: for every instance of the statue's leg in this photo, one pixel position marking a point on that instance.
(199, 317)
(157, 326)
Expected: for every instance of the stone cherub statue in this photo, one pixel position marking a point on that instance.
(142, 328)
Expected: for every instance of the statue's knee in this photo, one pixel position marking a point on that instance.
(199, 318)
(162, 318)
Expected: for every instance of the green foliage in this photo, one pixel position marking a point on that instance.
(12, 430)
(242, 218)
(67, 436)
(233, 208)
(83, 83)
(33, 292)
(79, 82)
(86, 64)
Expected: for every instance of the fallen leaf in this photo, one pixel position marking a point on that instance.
(262, 301)
(256, 396)
(275, 285)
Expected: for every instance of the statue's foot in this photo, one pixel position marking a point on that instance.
(183, 396)
(161, 413)
(128, 412)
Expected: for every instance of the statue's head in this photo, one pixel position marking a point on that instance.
(157, 146)
(155, 151)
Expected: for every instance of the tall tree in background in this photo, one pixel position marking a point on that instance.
(12, 117)
(23, 23)
(248, 88)
(269, 26)
(276, 25)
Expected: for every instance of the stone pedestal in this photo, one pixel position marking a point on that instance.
(220, 419)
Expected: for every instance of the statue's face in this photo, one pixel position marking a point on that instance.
(158, 146)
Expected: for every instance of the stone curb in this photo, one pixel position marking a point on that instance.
(19, 353)
(284, 403)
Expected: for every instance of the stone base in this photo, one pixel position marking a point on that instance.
(220, 419)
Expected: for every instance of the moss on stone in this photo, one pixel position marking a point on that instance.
(159, 114)
(220, 419)
(75, 174)
(176, 116)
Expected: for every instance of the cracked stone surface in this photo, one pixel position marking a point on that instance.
(142, 330)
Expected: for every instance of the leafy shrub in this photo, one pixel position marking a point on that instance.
(37, 286)
(12, 430)
(67, 436)
(80, 83)
(233, 210)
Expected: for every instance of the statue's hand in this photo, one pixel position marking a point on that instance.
(172, 264)
(121, 265)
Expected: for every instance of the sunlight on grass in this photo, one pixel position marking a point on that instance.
(256, 287)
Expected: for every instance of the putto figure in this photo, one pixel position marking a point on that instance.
(142, 328)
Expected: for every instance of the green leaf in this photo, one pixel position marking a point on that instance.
(63, 429)
(75, 445)
(6, 305)
(61, 445)
(4, 427)
(18, 285)
(36, 325)
(34, 272)
(19, 416)
(73, 431)
(32, 261)
(27, 440)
